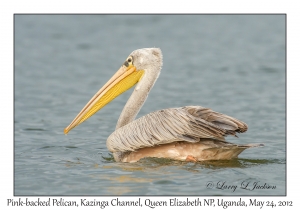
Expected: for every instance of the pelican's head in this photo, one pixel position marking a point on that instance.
(127, 76)
(146, 59)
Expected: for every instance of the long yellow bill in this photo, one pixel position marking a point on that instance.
(123, 79)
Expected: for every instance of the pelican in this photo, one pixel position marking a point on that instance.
(190, 133)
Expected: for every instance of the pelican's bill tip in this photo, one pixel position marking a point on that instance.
(66, 131)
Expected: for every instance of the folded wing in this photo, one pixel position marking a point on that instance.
(190, 123)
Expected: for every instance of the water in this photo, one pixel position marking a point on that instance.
(234, 64)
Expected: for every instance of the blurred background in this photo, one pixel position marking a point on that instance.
(233, 64)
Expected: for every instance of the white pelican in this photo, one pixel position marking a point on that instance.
(190, 133)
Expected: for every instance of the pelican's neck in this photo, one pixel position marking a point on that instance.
(138, 97)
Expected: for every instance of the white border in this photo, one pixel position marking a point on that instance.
(8, 8)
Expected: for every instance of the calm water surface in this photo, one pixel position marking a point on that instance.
(232, 64)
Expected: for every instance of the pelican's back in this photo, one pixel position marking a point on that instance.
(189, 124)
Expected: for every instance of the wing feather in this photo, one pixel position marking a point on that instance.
(190, 123)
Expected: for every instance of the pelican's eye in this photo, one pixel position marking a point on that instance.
(128, 61)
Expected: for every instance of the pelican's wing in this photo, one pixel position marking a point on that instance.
(190, 123)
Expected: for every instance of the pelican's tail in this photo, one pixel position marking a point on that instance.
(220, 150)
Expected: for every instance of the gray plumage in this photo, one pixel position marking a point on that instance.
(190, 124)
